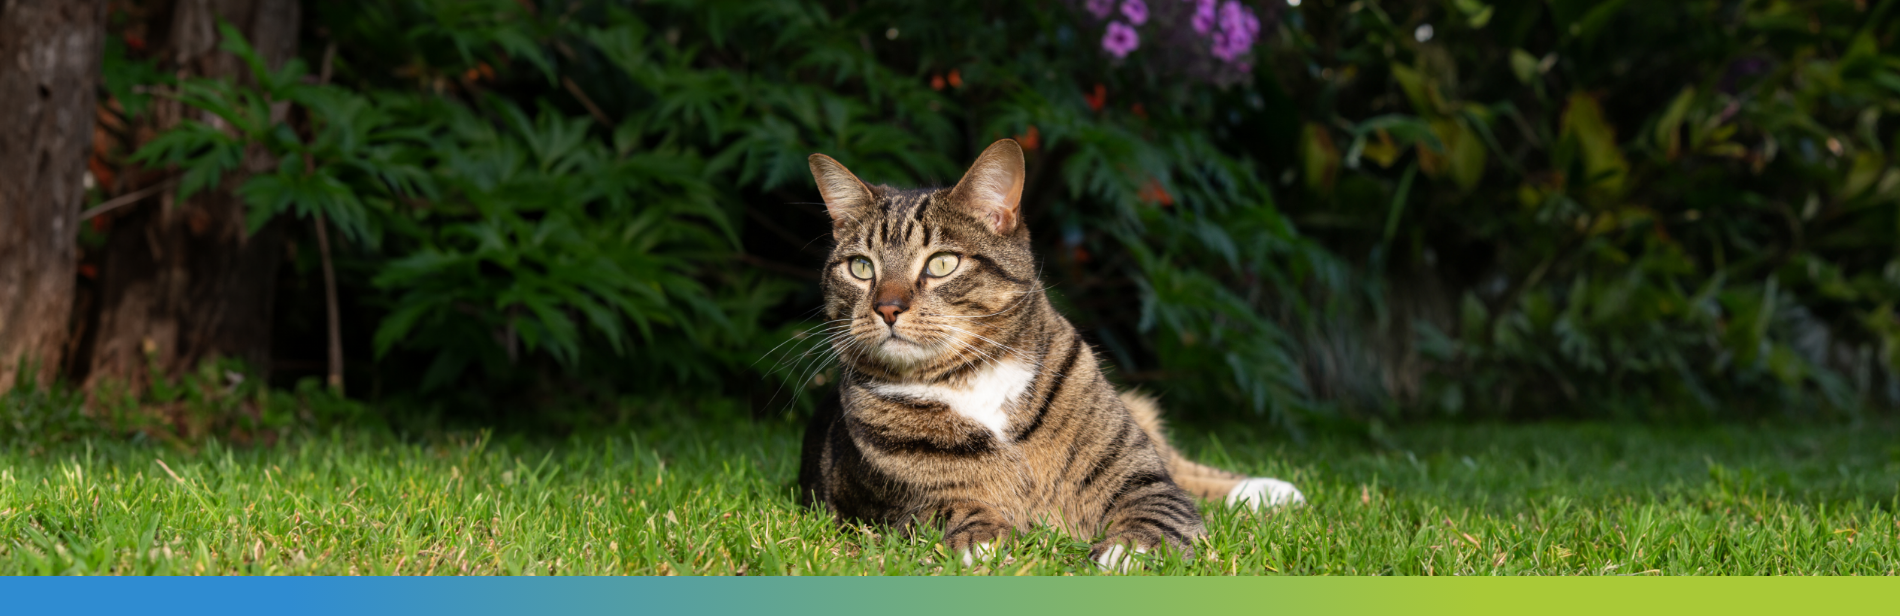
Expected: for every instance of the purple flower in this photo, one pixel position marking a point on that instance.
(1229, 47)
(1100, 8)
(1238, 28)
(1221, 46)
(1120, 39)
(1203, 15)
(1136, 11)
(1235, 17)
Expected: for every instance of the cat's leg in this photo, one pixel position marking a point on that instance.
(1154, 516)
(1234, 488)
(973, 530)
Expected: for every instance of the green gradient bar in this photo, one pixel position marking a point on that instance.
(1423, 596)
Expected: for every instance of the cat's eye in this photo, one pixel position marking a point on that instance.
(942, 264)
(861, 267)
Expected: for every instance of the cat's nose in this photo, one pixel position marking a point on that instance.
(890, 310)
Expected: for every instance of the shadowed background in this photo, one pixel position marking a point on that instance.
(1316, 215)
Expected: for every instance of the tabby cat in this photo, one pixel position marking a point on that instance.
(966, 400)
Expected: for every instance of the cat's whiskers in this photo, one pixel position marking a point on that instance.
(975, 359)
(1011, 349)
(969, 365)
(828, 350)
(823, 341)
(988, 359)
(833, 352)
(814, 355)
(857, 353)
(856, 349)
(811, 363)
(899, 360)
(822, 328)
(849, 334)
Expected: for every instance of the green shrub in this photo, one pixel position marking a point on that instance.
(1647, 210)
(1451, 207)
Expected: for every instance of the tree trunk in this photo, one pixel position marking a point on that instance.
(183, 282)
(49, 67)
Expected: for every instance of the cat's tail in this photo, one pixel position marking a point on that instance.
(1200, 479)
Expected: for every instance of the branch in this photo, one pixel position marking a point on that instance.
(331, 311)
(126, 199)
(592, 109)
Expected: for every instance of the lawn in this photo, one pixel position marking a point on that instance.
(715, 497)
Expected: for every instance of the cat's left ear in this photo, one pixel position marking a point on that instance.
(993, 188)
(846, 196)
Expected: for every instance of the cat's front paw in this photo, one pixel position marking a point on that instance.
(1265, 492)
(975, 534)
(978, 552)
(1115, 557)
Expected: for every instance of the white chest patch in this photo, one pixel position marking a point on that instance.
(986, 397)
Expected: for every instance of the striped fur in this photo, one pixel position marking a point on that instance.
(1198, 479)
(966, 400)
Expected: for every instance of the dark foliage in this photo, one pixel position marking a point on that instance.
(1373, 209)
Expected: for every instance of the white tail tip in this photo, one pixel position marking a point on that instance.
(1265, 492)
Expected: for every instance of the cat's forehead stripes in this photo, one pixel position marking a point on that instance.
(907, 204)
(901, 221)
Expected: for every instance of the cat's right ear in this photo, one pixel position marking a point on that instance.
(993, 188)
(846, 197)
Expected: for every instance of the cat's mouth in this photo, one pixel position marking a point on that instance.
(895, 342)
(901, 352)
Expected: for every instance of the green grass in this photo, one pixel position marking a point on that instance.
(714, 497)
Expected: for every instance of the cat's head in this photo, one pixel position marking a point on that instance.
(927, 281)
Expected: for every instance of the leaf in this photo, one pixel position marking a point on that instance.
(1477, 13)
(128, 80)
(1467, 156)
(1524, 66)
(1593, 21)
(1669, 126)
(1604, 168)
(232, 41)
(1463, 159)
(1320, 156)
(1415, 88)
(1867, 169)
(1408, 130)
(397, 326)
(1382, 150)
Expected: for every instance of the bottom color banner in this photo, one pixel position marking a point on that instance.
(925, 596)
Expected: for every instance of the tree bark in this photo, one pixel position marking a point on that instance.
(183, 282)
(49, 67)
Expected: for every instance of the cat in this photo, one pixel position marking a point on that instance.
(966, 400)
